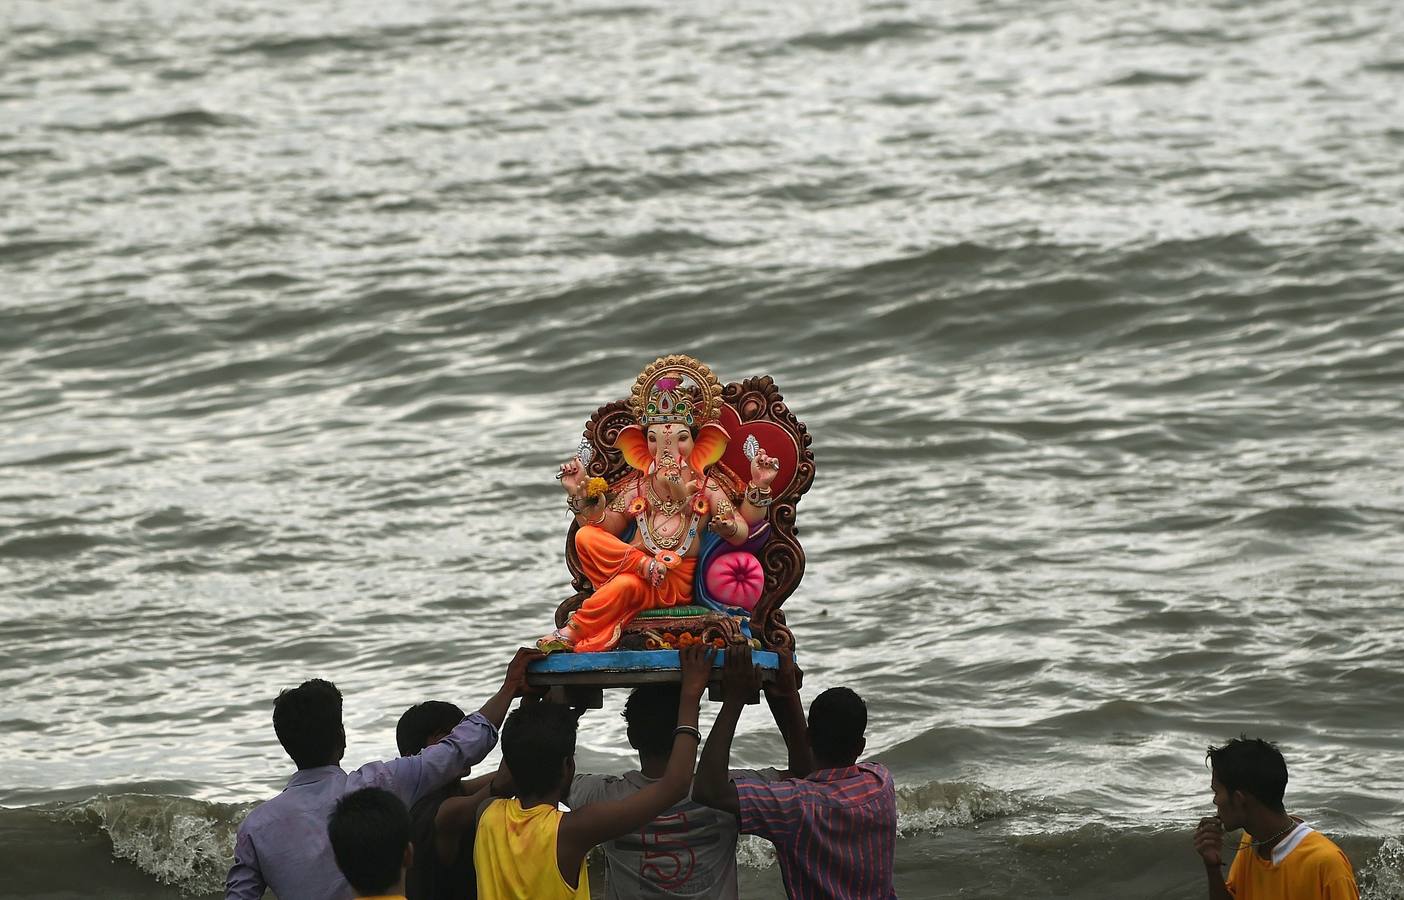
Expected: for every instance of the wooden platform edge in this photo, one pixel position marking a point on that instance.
(579, 679)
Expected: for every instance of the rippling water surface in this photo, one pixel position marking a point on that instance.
(1094, 312)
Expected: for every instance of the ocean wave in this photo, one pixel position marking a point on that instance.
(49, 546)
(177, 841)
(184, 121)
(973, 299)
(1141, 78)
(296, 47)
(1303, 519)
(862, 36)
(938, 805)
(188, 844)
(25, 251)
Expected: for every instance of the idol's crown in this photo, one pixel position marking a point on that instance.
(667, 403)
(660, 395)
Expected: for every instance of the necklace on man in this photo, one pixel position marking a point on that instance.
(1253, 843)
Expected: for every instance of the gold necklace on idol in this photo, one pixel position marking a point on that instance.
(654, 542)
(666, 507)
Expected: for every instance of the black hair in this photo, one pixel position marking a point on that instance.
(537, 740)
(369, 831)
(422, 721)
(1253, 766)
(307, 720)
(652, 714)
(837, 719)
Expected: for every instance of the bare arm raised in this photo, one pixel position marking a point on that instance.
(514, 685)
(457, 818)
(600, 822)
(713, 786)
(783, 697)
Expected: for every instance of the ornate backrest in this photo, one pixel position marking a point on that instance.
(750, 406)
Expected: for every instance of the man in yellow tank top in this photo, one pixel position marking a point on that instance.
(1279, 857)
(526, 848)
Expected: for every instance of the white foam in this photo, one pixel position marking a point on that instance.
(178, 841)
(928, 807)
(1382, 878)
(754, 853)
(937, 805)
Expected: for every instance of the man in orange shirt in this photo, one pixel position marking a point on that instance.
(1279, 857)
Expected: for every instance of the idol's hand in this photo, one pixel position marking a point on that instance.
(691, 482)
(652, 571)
(724, 525)
(669, 469)
(573, 476)
(678, 478)
(764, 468)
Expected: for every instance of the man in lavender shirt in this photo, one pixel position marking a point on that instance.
(283, 844)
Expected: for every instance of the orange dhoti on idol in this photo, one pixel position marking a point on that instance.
(621, 592)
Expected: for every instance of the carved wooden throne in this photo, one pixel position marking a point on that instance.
(754, 406)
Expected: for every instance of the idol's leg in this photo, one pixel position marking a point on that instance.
(598, 621)
(603, 556)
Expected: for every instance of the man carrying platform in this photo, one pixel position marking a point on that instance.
(689, 850)
(834, 820)
(283, 845)
(525, 847)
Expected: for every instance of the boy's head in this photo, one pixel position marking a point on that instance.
(307, 720)
(1246, 772)
(370, 838)
(837, 719)
(652, 713)
(538, 748)
(424, 724)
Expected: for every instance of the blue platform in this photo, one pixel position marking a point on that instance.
(580, 678)
(561, 667)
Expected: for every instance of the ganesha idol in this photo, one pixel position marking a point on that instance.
(683, 502)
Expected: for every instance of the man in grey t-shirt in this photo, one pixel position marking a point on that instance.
(688, 851)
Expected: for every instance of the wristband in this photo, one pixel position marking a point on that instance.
(688, 729)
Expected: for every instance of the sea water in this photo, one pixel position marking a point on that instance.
(1093, 312)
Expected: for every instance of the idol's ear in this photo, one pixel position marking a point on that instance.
(709, 446)
(632, 443)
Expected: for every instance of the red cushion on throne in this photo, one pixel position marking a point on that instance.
(736, 579)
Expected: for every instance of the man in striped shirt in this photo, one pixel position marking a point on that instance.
(833, 821)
